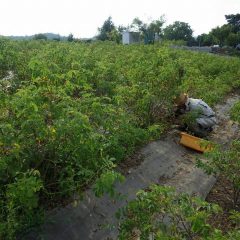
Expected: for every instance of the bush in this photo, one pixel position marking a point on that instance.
(161, 213)
(225, 162)
(235, 112)
(19, 207)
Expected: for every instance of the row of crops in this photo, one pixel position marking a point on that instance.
(70, 112)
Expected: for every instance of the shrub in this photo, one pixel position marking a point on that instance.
(225, 162)
(19, 207)
(235, 112)
(162, 213)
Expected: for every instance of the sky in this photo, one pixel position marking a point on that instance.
(82, 18)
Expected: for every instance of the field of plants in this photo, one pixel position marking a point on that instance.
(69, 112)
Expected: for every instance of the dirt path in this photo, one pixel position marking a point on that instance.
(226, 129)
(164, 162)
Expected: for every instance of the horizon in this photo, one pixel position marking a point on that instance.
(83, 19)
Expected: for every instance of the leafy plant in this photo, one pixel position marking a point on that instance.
(106, 183)
(188, 120)
(235, 218)
(225, 162)
(235, 112)
(19, 208)
(69, 108)
(162, 213)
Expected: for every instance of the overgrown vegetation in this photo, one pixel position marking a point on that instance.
(69, 112)
(235, 112)
(161, 213)
(225, 162)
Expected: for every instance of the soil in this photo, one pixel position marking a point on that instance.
(224, 133)
(130, 162)
(219, 195)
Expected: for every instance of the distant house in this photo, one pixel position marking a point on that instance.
(130, 37)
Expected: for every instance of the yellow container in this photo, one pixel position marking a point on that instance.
(195, 143)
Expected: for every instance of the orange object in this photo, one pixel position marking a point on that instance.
(195, 143)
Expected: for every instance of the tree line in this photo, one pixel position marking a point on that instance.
(228, 34)
(225, 35)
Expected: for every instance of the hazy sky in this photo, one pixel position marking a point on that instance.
(82, 18)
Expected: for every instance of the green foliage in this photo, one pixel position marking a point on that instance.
(206, 40)
(233, 39)
(148, 30)
(138, 25)
(19, 208)
(227, 34)
(235, 218)
(156, 131)
(164, 214)
(234, 20)
(106, 183)
(40, 36)
(156, 26)
(221, 33)
(189, 119)
(226, 163)
(178, 31)
(231, 235)
(70, 37)
(235, 112)
(68, 109)
(108, 31)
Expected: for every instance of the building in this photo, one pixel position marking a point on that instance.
(130, 37)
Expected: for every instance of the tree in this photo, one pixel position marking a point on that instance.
(40, 36)
(114, 35)
(57, 38)
(227, 34)
(106, 31)
(178, 31)
(234, 20)
(138, 25)
(122, 28)
(70, 37)
(149, 30)
(206, 39)
(156, 26)
(233, 39)
(221, 33)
